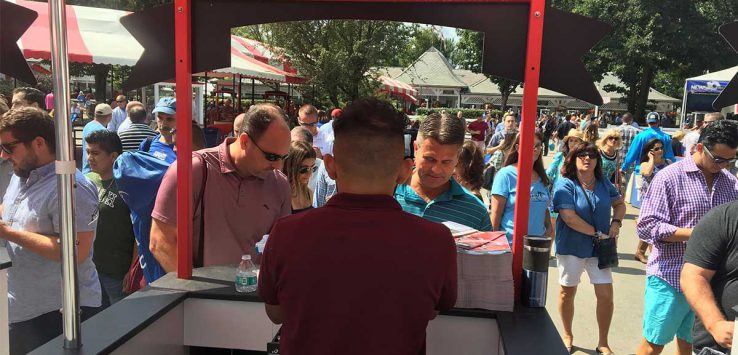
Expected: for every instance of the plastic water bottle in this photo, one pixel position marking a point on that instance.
(246, 276)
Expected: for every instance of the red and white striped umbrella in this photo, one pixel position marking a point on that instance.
(397, 87)
(95, 35)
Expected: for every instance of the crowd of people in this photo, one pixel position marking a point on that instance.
(363, 181)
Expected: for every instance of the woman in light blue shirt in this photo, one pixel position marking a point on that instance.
(504, 192)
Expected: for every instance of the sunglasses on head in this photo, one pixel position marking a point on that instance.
(720, 161)
(8, 148)
(268, 156)
(590, 155)
(305, 169)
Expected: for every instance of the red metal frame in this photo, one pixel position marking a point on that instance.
(183, 37)
(183, 55)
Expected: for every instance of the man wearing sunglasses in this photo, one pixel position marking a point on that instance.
(30, 226)
(240, 187)
(677, 198)
(307, 117)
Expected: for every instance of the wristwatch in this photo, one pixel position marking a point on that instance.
(600, 235)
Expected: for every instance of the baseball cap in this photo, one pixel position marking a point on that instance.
(652, 117)
(336, 113)
(166, 105)
(103, 110)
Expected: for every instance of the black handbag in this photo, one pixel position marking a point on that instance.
(605, 249)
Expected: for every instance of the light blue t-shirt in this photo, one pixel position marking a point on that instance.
(505, 185)
(160, 150)
(455, 205)
(90, 127)
(568, 194)
(34, 282)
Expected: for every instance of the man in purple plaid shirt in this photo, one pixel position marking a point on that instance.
(677, 198)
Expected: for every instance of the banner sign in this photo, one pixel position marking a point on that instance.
(706, 86)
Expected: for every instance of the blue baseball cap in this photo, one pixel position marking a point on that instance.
(166, 105)
(653, 117)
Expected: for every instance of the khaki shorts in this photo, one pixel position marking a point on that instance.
(571, 269)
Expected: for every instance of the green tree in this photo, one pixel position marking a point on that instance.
(468, 55)
(421, 39)
(335, 55)
(655, 42)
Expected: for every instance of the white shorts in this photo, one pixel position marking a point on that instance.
(572, 267)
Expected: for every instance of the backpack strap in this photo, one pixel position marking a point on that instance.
(147, 144)
(200, 253)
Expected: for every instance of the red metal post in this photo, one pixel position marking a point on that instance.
(183, 55)
(527, 136)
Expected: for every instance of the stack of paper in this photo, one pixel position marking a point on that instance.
(484, 265)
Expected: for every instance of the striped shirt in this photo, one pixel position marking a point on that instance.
(132, 137)
(455, 205)
(678, 198)
(627, 133)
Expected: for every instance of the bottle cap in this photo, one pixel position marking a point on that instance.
(246, 257)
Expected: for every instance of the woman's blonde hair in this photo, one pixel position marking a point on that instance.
(610, 133)
(678, 135)
(299, 151)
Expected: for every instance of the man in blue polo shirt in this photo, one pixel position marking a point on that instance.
(432, 193)
(162, 146)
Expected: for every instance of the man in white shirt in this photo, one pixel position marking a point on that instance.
(119, 114)
(692, 137)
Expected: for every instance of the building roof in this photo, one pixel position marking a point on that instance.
(430, 69)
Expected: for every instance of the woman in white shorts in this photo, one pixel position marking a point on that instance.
(583, 197)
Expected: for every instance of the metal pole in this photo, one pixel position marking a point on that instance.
(527, 137)
(253, 91)
(65, 170)
(183, 54)
(684, 106)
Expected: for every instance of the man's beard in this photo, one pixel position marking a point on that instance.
(23, 168)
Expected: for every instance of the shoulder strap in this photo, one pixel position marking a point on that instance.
(147, 144)
(200, 254)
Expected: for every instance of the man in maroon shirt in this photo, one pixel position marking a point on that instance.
(364, 277)
(478, 130)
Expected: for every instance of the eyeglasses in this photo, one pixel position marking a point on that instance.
(613, 139)
(657, 149)
(268, 156)
(8, 148)
(305, 169)
(589, 155)
(720, 161)
(305, 124)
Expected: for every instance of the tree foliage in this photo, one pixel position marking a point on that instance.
(335, 55)
(421, 39)
(656, 42)
(468, 55)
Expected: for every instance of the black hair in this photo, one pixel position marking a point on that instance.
(32, 95)
(720, 132)
(650, 145)
(27, 123)
(106, 140)
(511, 157)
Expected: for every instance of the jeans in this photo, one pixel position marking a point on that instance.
(28, 335)
(112, 289)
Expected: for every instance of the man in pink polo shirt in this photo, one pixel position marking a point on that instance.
(244, 193)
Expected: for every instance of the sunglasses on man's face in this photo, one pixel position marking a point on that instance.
(718, 160)
(305, 169)
(306, 124)
(267, 155)
(9, 148)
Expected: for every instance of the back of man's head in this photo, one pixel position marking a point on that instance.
(27, 123)
(301, 134)
(258, 118)
(443, 129)
(32, 96)
(137, 114)
(627, 117)
(369, 141)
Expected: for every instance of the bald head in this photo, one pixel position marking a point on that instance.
(259, 117)
(133, 104)
(237, 122)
